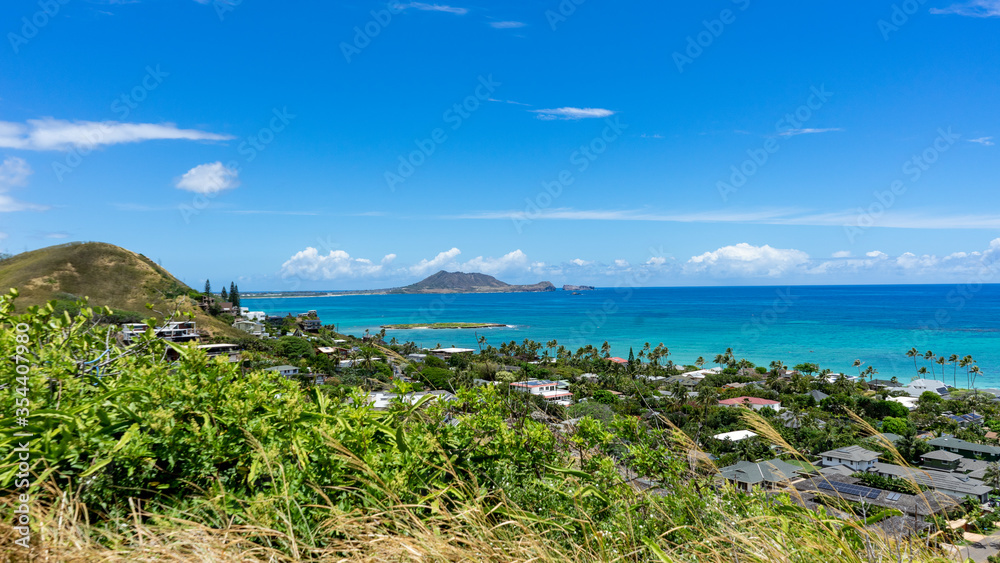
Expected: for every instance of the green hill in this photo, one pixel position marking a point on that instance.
(107, 274)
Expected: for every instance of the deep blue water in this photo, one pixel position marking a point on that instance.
(828, 325)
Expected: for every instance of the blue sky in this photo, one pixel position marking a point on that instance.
(329, 145)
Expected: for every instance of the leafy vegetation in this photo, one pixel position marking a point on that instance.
(137, 458)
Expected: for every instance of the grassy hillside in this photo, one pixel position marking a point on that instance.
(107, 274)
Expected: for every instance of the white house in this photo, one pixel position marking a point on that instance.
(736, 435)
(445, 353)
(854, 457)
(285, 370)
(536, 386)
(908, 402)
(918, 386)
(254, 328)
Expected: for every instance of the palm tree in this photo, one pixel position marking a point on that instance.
(857, 364)
(922, 371)
(953, 359)
(975, 373)
(965, 362)
(913, 353)
(992, 475)
(930, 356)
(941, 361)
(699, 362)
(719, 359)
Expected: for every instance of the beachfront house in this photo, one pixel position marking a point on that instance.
(768, 475)
(917, 387)
(312, 325)
(854, 457)
(969, 450)
(755, 403)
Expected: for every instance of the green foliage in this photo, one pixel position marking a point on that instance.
(605, 397)
(295, 347)
(434, 362)
(895, 425)
(890, 483)
(438, 378)
(592, 409)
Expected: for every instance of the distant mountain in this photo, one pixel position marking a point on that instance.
(109, 275)
(578, 288)
(460, 282)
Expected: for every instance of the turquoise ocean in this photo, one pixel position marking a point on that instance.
(828, 325)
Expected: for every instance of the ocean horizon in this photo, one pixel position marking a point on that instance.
(828, 325)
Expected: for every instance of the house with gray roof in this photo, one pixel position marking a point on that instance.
(952, 484)
(970, 450)
(767, 474)
(941, 459)
(854, 457)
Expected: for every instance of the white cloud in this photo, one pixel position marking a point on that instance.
(794, 132)
(985, 141)
(842, 254)
(507, 25)
(877, 254)
(311, 265)
(209, 178)
(580, 262)
(975, 9)
(14, 173)
(50, 134)
(656, 261)
(437, 263)
(435, 8)
(572, 113)
(746, 260)
(776, 216)
(622, 263)
(515, 260)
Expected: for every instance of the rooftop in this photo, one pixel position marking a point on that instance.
(952, 442)
(772, 471)
(748, 400)
(852, 453)
(941, 455)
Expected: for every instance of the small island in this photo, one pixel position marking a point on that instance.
(578, 288)
(439, 326)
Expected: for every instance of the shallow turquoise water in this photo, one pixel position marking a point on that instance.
(828, 325)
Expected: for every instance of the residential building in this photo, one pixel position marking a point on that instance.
(952, 484)
(918, 386)
(755, 403)
(285, 370)
(854, 457)
(818, 395)
(908, 402)
(736, 435)
(381, 400)
(966, 449)
(535, 386)
(182, 331)
(941, 459)
(966, 420)
(447, 353)
(312, 325)
(770, 474)
(254, 328)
